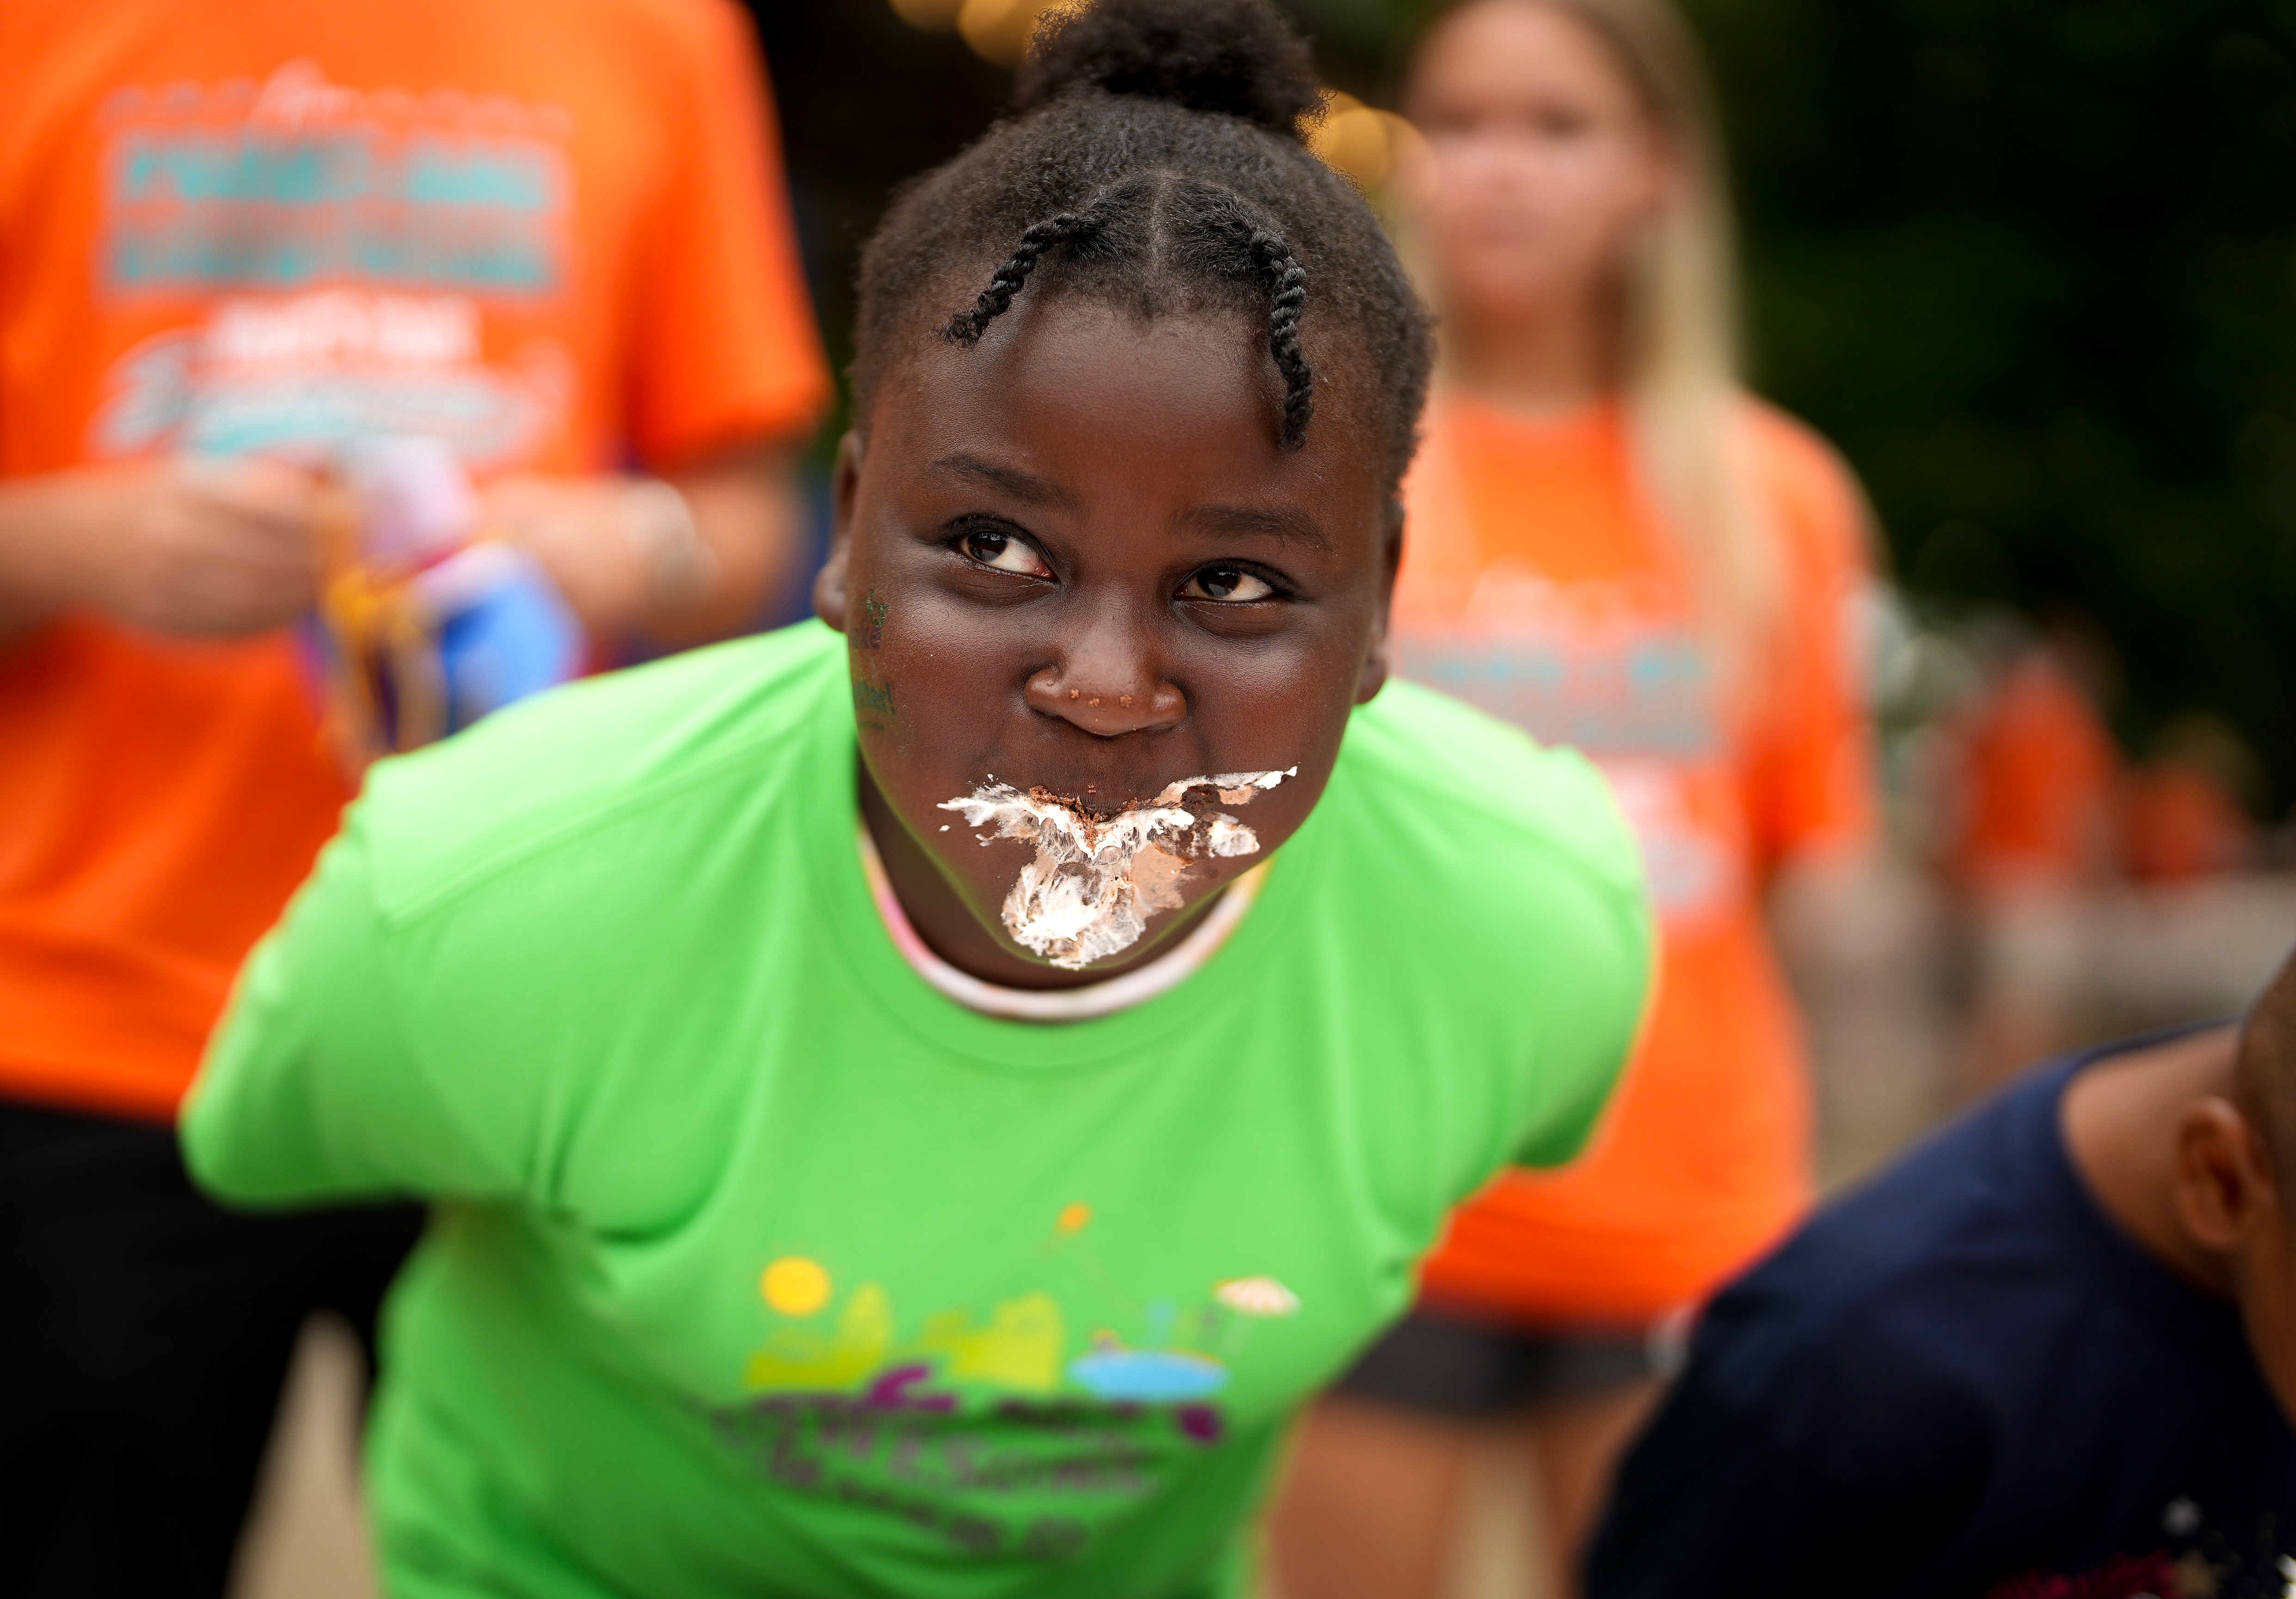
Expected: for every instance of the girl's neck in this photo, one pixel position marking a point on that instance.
(1546, 362)
(947, 926)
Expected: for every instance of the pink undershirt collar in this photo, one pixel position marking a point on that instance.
(1104, 999)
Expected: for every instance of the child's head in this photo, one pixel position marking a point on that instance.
(1569, 188)
(2231, 1188)
(1569, 151)
(1569, 155)
(1136, 383)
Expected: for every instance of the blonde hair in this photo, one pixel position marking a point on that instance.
(1681, 374)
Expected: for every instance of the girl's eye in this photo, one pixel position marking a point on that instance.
(1231, 584)
(1004, 553)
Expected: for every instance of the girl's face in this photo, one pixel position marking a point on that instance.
(1072, 559)
(1540, 165)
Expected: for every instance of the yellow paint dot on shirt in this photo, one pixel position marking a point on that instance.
(795, 1285)
(1073, 1217)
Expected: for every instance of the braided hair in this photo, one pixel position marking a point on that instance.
(1154, 161)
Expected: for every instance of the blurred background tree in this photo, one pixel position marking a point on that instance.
(2031, 263)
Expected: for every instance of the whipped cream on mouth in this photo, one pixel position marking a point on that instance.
(1097, 880)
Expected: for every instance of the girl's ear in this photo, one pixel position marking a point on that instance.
(1374, 676)
(2225, 1186)
(829, 599)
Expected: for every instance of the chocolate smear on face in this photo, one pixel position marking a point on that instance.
(1098, 877)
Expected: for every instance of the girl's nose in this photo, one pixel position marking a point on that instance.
(1108, 690)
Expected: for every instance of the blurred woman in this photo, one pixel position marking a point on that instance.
(1613, 546)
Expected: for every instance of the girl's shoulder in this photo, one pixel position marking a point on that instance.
(557, 771)
(1486, 892)
(1446, 790)
(1789, 447)
(1808, 487)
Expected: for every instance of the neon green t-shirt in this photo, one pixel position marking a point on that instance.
(759, 1267)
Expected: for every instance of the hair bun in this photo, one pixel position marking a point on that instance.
(1238, 57)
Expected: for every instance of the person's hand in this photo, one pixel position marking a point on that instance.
(578, 529)
(624, 551)
(207, 547)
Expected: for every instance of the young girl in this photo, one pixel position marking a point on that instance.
(1613, 547)
(916, 1111)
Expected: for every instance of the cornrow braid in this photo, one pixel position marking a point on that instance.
(966, 326)
(1271, 259)
(1290, 282)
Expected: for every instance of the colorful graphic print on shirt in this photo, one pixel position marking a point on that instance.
(1618, 671)
(339, 244)
(1011, 1432)
(2199, 1561)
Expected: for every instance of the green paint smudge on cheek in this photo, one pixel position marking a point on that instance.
(873, 702)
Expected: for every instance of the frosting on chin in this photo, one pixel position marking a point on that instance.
(1097, 880)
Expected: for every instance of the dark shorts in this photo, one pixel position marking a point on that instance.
(144, 1334)
(1480, 1371)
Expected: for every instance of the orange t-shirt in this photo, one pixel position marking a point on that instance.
(2039, 769)
(1537, 585)
(2179, 823)
(550, 232)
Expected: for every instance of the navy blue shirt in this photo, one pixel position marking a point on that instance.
(1963, 1379)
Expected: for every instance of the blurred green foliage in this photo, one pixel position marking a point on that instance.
(2032, 265)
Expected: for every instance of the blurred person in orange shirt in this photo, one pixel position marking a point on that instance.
(2034, 777)
(2038, 770)
(2184, 814)
(233, 235)
(1611, 544)
(2179, 822)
